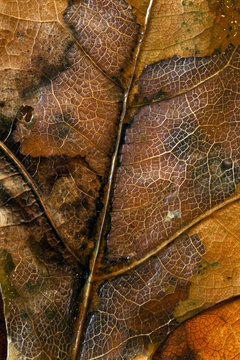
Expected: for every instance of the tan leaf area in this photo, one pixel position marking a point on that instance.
(186, 28)
(119, 178)
(29, 33)
(211, 335)
(218, 273)
(35, 10)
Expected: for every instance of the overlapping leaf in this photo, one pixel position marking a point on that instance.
(105, 249)
(210, 335)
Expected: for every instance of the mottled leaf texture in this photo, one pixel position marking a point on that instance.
(210, 335)
(119, 179)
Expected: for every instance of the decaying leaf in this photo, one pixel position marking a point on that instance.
(119, 178)
(210, 335)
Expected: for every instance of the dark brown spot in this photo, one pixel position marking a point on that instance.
(226, 164)
(25, 113)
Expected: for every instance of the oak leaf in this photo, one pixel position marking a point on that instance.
(119, 176)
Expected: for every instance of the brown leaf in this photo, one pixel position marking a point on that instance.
(119, 175)
(213, 334)
(180, 156)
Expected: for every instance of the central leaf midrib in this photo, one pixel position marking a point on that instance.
(107, 197)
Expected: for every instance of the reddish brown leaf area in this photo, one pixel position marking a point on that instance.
(3, 335)
(181, 74)
(137, 308)
(106, 30)
(213, 335)
(181, 156)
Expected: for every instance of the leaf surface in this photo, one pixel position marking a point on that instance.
(119, 173)
(210, 335)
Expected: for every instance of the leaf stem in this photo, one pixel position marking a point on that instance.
(93, 261)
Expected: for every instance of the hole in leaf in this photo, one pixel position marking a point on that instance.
(25, 114)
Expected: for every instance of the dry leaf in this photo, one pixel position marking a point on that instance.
(119, 176)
